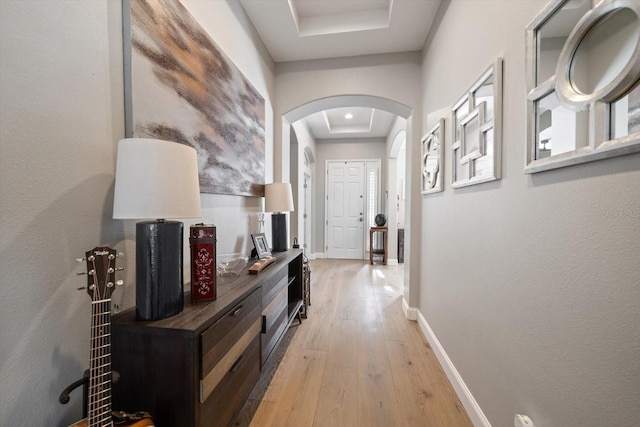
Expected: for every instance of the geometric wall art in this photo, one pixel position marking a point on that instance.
(433, 159)
(476, 130)
(583, 83)
(179, 86)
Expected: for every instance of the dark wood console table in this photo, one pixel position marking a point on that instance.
(197, 368)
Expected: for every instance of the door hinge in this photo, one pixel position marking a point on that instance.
(304, 216)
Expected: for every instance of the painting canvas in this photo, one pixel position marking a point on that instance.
(179, 86)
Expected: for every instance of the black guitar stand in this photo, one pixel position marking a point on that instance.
(84, 382)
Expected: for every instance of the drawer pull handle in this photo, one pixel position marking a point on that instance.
(237, 365)
(237, 311)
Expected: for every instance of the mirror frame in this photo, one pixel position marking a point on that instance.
(435, 134)
(477, 111)
(598, 103)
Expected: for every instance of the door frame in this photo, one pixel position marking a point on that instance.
(307, 225)
(365, 235)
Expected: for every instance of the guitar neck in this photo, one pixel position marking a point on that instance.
(99, 399)
(101, 268)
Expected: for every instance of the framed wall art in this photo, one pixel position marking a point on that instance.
(433, 159)
(476, 130)
(179, 86)
(583, 83)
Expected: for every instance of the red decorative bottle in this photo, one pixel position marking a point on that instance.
(202, 239)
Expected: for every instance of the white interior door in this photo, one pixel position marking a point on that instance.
(345, 210)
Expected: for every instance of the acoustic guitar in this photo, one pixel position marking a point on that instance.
(101, 269)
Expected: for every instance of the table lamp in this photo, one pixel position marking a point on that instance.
(278, 199)
(157, 180)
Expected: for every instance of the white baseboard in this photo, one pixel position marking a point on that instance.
(466, 398)
(409, 312)
(392, 262)
(318, 255)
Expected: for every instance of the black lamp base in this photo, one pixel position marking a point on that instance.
(159, 280)
(279, 232)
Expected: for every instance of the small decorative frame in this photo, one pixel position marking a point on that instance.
(433, 159)
(261, 245)
(583, 91)
(476, 130)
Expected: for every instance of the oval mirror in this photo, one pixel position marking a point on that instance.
(600, 60)
(605, 51)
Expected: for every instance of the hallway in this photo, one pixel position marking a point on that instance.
(356, 360)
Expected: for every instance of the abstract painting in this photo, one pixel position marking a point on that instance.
(179, 86)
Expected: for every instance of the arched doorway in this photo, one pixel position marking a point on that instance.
(294, 115)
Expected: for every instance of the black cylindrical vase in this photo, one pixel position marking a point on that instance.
(279, 232)
(159, 280)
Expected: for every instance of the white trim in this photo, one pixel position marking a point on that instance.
(409, 312)
(473, 409)
(392, 261)
(317, 255)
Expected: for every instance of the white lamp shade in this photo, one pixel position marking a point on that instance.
(156, 179)
(278, 197)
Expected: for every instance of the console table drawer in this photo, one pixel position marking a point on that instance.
(220, 337)
(224, 342)
(232, 390)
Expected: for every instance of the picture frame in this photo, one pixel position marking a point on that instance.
(476, 131)
(261, 245)
(432, 171)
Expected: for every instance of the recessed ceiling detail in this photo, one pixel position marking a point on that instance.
(314, 18)
(338, 123)
(366, 123)
(296, 30)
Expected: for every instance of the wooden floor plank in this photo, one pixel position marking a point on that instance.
(339, 392)
(377, 405)
(301, 378)
(421, 396)
(264, 415)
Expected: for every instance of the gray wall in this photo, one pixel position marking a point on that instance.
(530, 283)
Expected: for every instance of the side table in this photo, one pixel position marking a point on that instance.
(383, 251)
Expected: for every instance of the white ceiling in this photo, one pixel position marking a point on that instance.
(295, 30)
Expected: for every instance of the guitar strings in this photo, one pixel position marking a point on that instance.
(99, 407)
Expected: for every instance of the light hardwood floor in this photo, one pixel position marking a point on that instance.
(356, 360)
